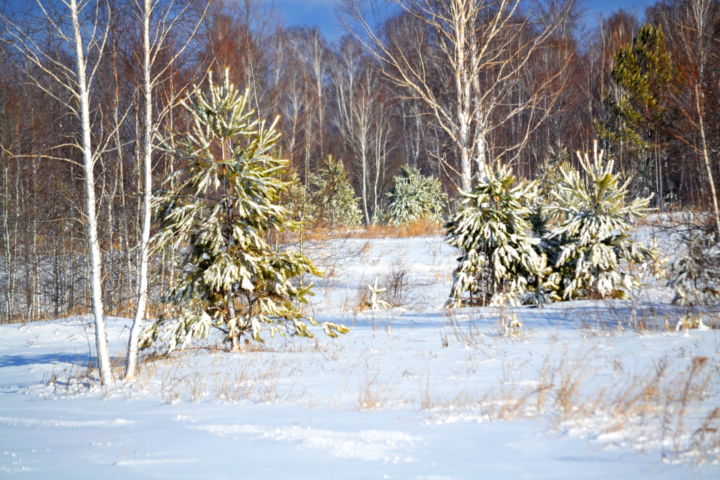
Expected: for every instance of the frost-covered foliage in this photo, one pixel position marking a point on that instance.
(543, 220)
(219, 216)
(333, 198)
(500, 263)
(696, 274)
(567, 238)
(592, 235)
(415, 196)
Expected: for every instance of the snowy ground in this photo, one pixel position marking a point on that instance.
(414, 392)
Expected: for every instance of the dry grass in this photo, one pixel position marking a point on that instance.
(707, 438)
(375, 393)
(362, 299)
(236, 377)
(420, 228)
(71, 381)
(653, 409)
(469, 334)
(397, 285)
(125, 309)
(371, 395)
(19, 318)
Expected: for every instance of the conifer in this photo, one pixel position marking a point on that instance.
(415, 196)
(500, 263)
(593, 232)
(219, 217)
(333, 198)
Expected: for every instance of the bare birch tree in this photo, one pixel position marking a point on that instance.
(154, 36)
(85, 42)
(362, 118)
(481, 47)
(310, 57)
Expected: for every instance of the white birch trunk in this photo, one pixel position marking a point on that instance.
(92, 236)
(131, 366)
(9, 252)
(478, 42)
(459, 18)
(364, 166)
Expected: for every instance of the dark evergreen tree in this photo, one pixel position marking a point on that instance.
(637, 109)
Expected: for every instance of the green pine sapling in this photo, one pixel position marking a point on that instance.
(219, 216)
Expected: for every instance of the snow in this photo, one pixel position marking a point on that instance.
(414, 392)
(370, 445)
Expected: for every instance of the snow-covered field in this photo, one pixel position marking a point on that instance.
(414, 392)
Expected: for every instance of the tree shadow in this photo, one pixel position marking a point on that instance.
(79, 359)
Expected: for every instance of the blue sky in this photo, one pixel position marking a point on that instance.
(594, 9)
(321, 13)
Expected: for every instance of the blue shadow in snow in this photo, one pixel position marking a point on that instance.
(46, 359)
(578, 314)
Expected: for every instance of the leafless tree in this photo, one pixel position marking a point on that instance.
(86, 41)
(362, 118)
(158, 23)
(480, 47)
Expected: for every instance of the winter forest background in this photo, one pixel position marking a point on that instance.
(544, 86)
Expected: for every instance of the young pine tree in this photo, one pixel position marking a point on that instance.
(543, 221)
(500, 263)
(415, 197)
(592, 234)
(333, 197)
(219, 217)
(695, 275)
(297, 199)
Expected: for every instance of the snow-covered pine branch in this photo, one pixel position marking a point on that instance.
(225, 205)
(333, 197)
(592, 237)
(415, 197)
(499, 261)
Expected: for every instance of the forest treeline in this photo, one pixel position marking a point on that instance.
(444, 87)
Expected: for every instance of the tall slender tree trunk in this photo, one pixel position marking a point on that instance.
(33, 308)
(131, 366)
(92, 235)
(465, 169)
(480, 146)
(9, 251)
(363, 159)
(463, 117)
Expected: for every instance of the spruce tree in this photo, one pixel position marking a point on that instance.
(593, 231)
(219, 217)
(333, 197)
(500, 263)
(415, 196)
